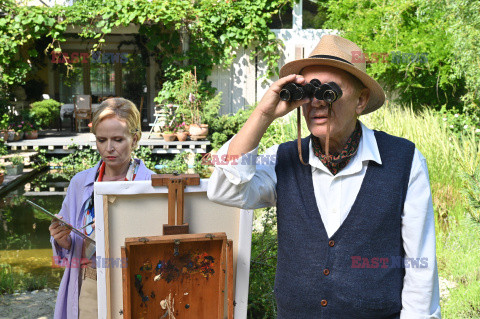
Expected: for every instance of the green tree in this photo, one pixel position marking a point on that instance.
(407, 26)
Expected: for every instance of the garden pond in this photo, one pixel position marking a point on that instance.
(25, 249)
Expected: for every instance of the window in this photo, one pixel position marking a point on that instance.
(102, 79)
(314, 14)
(70, 82)
(283, 19)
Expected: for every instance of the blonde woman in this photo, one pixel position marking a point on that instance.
(116, 126)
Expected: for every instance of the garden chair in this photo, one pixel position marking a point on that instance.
(82, 105)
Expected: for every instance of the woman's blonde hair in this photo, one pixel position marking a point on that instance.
(124, 110)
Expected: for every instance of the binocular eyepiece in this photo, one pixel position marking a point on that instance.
(329, 92)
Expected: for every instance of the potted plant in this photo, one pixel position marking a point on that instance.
(197, 129)
(181, 133)
(188, 94)
(15, 131)
(31, 130)
(169, 133)
(4, 123)
(16, 165)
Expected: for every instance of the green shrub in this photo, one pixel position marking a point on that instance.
(472, 193)
(35, 282)
(77, 161)
(7, 281)
(263, 265)
(222, 128)
(17, 160)
(46, 112)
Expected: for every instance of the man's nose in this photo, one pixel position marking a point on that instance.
(318, 103)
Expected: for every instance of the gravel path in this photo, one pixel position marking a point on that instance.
(38, 304)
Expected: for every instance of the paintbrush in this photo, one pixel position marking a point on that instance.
(86, 225)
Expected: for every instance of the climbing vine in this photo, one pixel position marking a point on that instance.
(215, 30)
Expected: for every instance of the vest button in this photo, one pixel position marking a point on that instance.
(326, 272)
(323, 303)
(331, 243)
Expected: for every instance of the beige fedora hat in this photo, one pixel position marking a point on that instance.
(338, 52)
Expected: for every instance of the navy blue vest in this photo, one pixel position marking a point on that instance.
(342, 276)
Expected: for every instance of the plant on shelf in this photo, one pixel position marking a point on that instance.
(15, 131)
(16, 165)
(170, 127)
(181, 134)
(192, 97)
(31, 130)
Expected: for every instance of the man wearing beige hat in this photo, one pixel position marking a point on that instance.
(356, 232)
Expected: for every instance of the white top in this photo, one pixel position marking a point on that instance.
(246, 185)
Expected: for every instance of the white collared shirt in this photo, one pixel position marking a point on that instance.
(243, 184)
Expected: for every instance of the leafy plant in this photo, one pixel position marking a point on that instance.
(16, 160)
(472, 192)
(188, 94)
(3, 148)
(222, 128)
(77, 161)
(46, 112)
(170, 119)
(411, 27)
(145, 154)
(4, 121)
(263, 264)
(214, 31)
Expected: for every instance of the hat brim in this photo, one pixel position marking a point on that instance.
(377, 95)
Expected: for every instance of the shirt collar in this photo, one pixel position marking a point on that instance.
(367, 151)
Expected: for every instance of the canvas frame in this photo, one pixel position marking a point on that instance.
(106, 192)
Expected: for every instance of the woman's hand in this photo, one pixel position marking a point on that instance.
(61, 234)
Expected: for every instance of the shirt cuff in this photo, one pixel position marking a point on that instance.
(404, 314)
(238, 170)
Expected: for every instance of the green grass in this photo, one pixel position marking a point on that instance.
(27, 270)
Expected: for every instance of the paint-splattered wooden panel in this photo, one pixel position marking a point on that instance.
(176, 276)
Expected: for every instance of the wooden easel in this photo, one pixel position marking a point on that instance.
(176, 186)
(192, 299)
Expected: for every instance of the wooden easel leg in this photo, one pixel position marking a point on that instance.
(230, 291)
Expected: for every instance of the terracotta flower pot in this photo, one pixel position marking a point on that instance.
(31, 135)
(182, 136)
(199, 130)
(169, 137)
(4, 135)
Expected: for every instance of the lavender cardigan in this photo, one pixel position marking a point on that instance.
(79, 191)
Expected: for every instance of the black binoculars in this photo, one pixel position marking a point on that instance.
(329, 92)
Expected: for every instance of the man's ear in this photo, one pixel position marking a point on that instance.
(362, 100)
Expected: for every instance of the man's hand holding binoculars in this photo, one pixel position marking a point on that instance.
(268, 109)
(272, 106)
